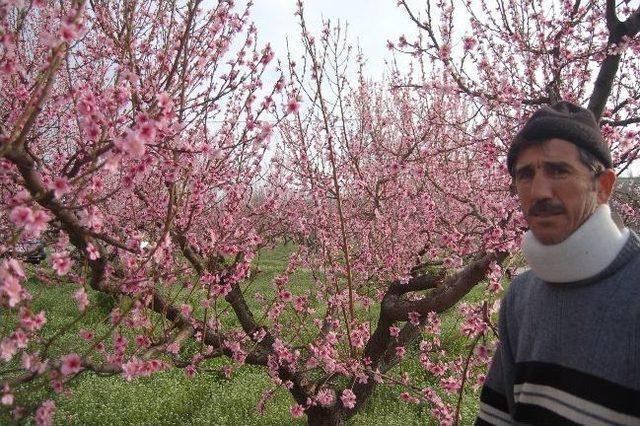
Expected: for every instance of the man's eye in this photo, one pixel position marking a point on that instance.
(558, 171)
(523, 175)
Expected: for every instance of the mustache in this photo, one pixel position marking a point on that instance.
(546, 207)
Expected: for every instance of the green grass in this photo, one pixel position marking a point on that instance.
(171, 397)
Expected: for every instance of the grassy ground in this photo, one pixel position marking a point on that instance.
(171, 397)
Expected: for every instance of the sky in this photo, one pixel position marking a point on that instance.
(370, 24)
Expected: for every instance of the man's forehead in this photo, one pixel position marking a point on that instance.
(550, 151)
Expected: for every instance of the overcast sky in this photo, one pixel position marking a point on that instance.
(370, 24)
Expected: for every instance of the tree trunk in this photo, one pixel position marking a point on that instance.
(320, 416)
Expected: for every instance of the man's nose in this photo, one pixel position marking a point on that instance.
(541, 187)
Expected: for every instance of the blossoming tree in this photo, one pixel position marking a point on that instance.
(132, 134)
(510, 57)
(132, 143)
(399, 194)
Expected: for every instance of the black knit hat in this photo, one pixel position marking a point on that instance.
(562, 120)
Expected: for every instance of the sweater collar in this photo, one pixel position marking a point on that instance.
(584, 254)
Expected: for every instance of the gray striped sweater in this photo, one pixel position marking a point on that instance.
(569, 353)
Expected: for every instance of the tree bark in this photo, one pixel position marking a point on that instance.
(609, 67)
(321, 416)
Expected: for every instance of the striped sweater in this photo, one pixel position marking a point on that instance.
(569, 353)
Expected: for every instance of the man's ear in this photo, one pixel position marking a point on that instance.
(606, 180)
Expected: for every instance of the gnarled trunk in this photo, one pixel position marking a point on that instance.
(321, 416)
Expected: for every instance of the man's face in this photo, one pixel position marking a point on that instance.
(557, 191)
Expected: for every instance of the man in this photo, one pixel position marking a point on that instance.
(569, 349)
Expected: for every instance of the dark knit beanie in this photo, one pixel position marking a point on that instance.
(562, 120)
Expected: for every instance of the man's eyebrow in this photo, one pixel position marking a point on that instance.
(546, 163)
(559, 164)
(524, 167)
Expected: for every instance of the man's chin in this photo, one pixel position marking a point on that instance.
(547, 237)
(548, 230)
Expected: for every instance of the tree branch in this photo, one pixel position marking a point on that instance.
(609, 67)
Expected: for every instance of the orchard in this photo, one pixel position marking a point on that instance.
(147, 153)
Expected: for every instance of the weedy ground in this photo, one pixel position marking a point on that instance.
(209, 398)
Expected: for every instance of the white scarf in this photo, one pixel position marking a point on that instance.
(585, 253)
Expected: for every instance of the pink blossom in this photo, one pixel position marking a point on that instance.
(67, 33)
(133, 144)
(82, 300)
(348, 398)
(360, 335)
(12, 289)
(406, 396)
(140, 368)
(433, 323)
(414, 318)
(147, 131)
(226, 371)
(285, 295)
(93, 252)
(173, 348)
(92, 131)
(57, 385)
(8, 66)
(482, 352)
(7, 40)
(267, 55)
(44, 414)
(86, 335)
(279, 85)
(450, 384)
(21, 215)
(494, 287)
(132, 368)
(221, 290)
(8, 348)
(474, 323)
(400, 351)
(293, 105)
(481, 379)
(299, 303)
(469, 43)
(186, 309)
(259, 335)
(115, 316)
(31, 362)
(21, 338)
(70, 364)
(32, 322)
(12, 266)
(38, 224)
(190, 370)
(92, 218)
(61, 262)
(266, 130)
(394, 331)
(120, 344)
(437, 369)
(60, 186)
(296, 410)
(143, 341)
(7, 399)
(112, 162)
(164, 100)
(325, 397)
